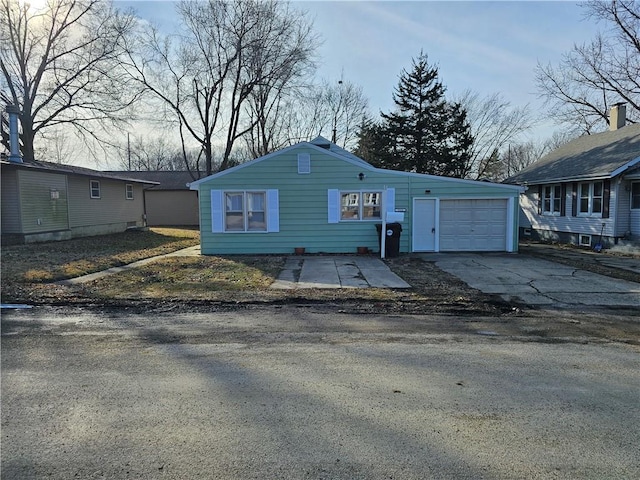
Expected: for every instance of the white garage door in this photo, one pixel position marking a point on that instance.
(473, 225)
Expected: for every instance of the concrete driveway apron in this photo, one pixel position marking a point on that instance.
(535, 281)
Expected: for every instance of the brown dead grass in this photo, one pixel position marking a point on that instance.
(51, 261)
(194, 282)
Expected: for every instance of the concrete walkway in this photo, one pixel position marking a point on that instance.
(337, 272)
(185, 252)
(299, 272)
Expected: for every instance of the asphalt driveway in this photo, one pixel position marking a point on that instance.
(536, 282)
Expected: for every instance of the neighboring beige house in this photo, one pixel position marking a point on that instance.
(170, 202)
(43, 201)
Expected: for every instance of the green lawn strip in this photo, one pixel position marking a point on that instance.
(47, 262)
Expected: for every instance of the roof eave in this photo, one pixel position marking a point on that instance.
(599, 176)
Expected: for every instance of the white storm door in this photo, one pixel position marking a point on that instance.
(424, 225)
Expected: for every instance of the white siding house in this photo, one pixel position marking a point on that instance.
(584, 189)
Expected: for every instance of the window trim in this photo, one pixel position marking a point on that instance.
(590, 199)
(360, 204)
(91, 189)
(553, 200)
(245, 211)
(637, 195)
(128, 188)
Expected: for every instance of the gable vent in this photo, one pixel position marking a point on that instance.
(304, 163)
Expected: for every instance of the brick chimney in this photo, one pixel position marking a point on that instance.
(618, 116)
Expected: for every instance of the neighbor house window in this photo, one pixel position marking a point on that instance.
(551, 199)
(129, 191)
(591, 195)
(245, 212)
(635, 195)
(360, 205)
(95, 189)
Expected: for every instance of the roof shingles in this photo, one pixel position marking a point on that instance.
(592, 156)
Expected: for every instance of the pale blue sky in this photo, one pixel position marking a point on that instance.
(484, 46)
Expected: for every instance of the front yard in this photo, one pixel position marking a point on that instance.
(188, 283)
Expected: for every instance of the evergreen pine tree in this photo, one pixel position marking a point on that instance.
(425, 134)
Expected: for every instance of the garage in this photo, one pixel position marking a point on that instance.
(473, 225)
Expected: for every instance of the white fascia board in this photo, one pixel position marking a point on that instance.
(626, 166)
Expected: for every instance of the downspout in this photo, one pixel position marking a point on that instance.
(383, 230)
(144, 206)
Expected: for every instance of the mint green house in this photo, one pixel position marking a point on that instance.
(318, 196)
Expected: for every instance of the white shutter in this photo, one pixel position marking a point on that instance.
(304, 163)
(273, 211)
(217, 211)
(333, 205)
(391, 200)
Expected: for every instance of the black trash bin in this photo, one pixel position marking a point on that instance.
(392, 241)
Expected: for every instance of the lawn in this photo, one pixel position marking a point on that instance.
(51, 261)
(188, 283)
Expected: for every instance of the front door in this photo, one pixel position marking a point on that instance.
(424, 225)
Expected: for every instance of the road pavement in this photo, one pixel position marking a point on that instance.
(293, 393)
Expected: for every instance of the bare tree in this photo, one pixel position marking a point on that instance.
(59, 65)
(494, 125)
(594, 76)
(147, 153)
(347, 107)
(517, 157)
(332, 109)
(225, 53)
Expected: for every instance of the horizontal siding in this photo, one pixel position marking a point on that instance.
(635, 222)
(303, 204)
(10, 202)
(165, 207)
(111, 208)
(569, 224)
(623, 218)
(41, 213)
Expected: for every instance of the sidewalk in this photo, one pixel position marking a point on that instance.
(185, 252)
